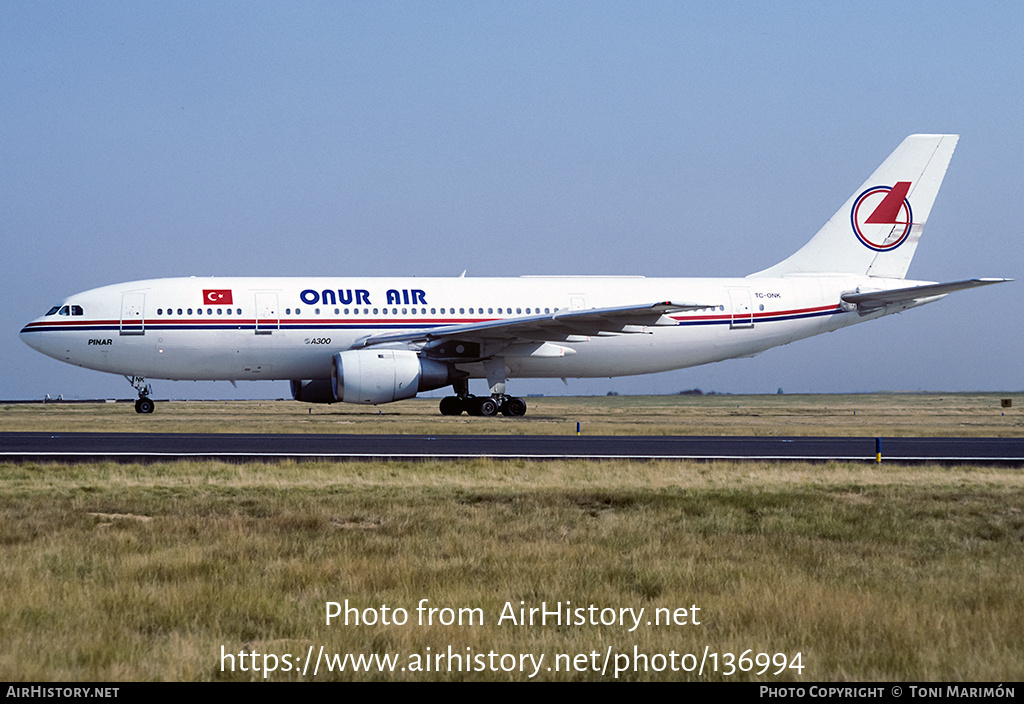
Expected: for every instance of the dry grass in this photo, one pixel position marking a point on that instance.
(144, 572)
(870, 415)
(131, 572)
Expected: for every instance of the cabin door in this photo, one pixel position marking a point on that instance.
(268, 316)
(133, 309)
(742, 308)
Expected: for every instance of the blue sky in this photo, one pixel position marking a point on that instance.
(156, 139)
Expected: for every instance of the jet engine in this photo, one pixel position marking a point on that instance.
(313, 390)
(376, 376)
(382, 375)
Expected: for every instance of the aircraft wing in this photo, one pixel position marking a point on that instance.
(559, 326)
(873, 300)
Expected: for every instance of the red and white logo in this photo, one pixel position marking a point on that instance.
(216, 296)
(881, 216)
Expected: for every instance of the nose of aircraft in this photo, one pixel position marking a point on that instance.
(33, 337)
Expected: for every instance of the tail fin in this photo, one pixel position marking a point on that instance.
(876, 231)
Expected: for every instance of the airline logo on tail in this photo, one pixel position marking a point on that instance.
(881, 216)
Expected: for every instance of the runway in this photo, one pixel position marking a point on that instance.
(161, 447)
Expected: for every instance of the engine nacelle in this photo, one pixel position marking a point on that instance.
(313, 390)
(381, 375)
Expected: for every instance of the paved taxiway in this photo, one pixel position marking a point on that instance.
(149, 447)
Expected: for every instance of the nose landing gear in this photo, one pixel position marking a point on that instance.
(145, 403)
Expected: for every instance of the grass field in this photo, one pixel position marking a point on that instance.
(124, 572)
(191, 571)
(870, 415)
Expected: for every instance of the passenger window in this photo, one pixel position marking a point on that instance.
(190, 311)
(179, 311)
(220, 311)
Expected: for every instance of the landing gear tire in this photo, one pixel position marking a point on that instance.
(514, 407)
(145, 403)
(485, 406)
(452, 406)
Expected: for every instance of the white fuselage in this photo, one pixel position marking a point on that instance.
(377, 340)
(289, 328)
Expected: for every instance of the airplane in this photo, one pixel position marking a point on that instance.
(379, 340)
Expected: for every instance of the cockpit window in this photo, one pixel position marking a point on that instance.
(65, 310)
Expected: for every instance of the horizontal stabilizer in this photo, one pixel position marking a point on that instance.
(873, 300)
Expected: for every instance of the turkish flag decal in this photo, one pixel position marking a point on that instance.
(216, 296)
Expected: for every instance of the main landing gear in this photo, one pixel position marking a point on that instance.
(145, 403)
(512, 406)
(497, 402)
